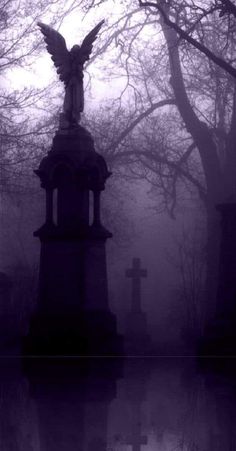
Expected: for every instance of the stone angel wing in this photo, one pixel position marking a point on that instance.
(87, 44)
(56, 46)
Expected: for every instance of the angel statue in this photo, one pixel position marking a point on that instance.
(70, 65)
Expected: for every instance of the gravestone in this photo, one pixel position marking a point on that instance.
(136, 336)
(136, 274)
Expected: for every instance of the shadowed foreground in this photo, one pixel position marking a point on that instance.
(115, 404)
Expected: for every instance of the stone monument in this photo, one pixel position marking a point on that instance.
(136, 336)
(73, 315)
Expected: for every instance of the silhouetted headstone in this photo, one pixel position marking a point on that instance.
(137, 338)
(136, 274)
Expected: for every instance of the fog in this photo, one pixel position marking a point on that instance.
(117, 225)
(148, 405)
(141, 232)
(162, 121)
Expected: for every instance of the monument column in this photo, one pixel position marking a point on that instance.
(73, 315)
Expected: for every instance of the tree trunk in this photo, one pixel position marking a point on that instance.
(210, 163)
(212, 262)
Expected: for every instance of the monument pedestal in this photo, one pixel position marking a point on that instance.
(73, 315)
(82, 333)
(137, 339)
(220, 332)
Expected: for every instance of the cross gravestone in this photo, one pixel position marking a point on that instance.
(136, 274)
(137, 338)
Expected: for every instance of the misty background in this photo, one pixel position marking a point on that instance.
(163, 116)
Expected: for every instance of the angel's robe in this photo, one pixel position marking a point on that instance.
(74, 93)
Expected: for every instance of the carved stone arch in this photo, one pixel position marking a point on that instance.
(64, 183)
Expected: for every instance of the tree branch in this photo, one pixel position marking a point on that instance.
(228, 8)
(184, 35)
(133, 124)
(162, 160)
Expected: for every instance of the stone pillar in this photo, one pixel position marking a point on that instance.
(73, 315)
(49, 206)
(7, 315)
(96, 208)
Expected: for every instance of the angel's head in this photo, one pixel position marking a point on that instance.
(75, 49)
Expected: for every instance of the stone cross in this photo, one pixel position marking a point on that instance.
(136, 273)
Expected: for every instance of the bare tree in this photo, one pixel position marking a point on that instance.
(186, 17)
(192, 68)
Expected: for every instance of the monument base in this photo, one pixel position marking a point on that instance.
(137, 340)
(86, 333)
